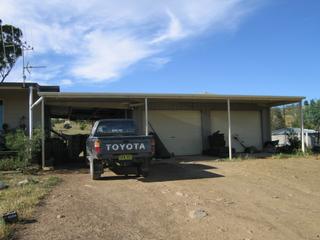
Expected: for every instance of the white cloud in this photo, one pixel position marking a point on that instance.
(159, 62)
(108, 54)
(174, 31)
(66, 82)
(99, 40)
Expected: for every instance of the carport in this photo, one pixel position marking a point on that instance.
(183, 121)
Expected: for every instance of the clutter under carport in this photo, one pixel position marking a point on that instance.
(247, 149)
(217, 145)
(64, 148)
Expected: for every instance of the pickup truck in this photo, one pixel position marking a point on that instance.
(114, 143)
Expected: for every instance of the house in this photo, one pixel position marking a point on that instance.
(182, 121)
(14, 103)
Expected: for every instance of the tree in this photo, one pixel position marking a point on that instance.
(312, 115)
(293, 116)
(10, 48)
(277, 119)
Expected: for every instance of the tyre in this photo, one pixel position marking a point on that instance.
(95, 176)
(87, 162)
(96, 169)
(138, 171)
(145, 174)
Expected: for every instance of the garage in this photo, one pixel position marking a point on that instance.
(180, 131)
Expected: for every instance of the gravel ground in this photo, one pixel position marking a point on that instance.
(190, 199)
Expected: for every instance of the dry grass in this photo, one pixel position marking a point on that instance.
(22, 199)
(75, 128)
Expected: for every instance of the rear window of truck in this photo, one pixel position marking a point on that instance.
(115, 128)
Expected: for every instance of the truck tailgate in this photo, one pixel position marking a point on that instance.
(127, 144)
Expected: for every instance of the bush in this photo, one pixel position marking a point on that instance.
(20, 142)
(83, 125)
(12, 163)
(294, 142)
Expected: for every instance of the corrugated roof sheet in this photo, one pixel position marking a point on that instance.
(285, 131)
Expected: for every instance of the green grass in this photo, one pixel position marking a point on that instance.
(298, 154)
(22, 199)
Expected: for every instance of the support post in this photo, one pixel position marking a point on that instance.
(307, 143)
(229, 130)
(146, 116)
(302, 127)
(30, 112)
(43, 134)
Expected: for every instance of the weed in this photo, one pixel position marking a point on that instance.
(24, 198)
(12, 163)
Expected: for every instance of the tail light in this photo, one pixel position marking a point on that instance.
(97, 146)
(153, 146)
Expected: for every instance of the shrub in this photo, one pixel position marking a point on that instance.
(294, 142)
(11, 163)
(20, 142)
(83, 125)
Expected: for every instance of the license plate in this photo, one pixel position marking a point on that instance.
(125, 157)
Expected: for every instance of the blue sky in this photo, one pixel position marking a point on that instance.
(234, 47)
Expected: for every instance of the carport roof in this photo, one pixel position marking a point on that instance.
(202, 97)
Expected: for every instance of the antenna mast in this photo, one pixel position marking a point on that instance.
(27, 67)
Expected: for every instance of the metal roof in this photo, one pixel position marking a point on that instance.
(285, 131)
(269, 100)
(21, 85)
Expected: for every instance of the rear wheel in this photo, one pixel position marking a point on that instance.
(95, 176)
(145, 174)
(143, 169)
(96, 169)
(138, 171)
(142, 173)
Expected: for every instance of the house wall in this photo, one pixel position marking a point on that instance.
(16, 105)
(266, 124)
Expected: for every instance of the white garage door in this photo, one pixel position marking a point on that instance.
(245, 124)
(180, 131)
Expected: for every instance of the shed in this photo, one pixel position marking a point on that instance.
(182, 121)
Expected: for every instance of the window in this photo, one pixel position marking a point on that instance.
(1, 114)
(116, 127)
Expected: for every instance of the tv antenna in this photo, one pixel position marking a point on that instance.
(27, 67)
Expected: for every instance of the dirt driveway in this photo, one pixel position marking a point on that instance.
(253, 199)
